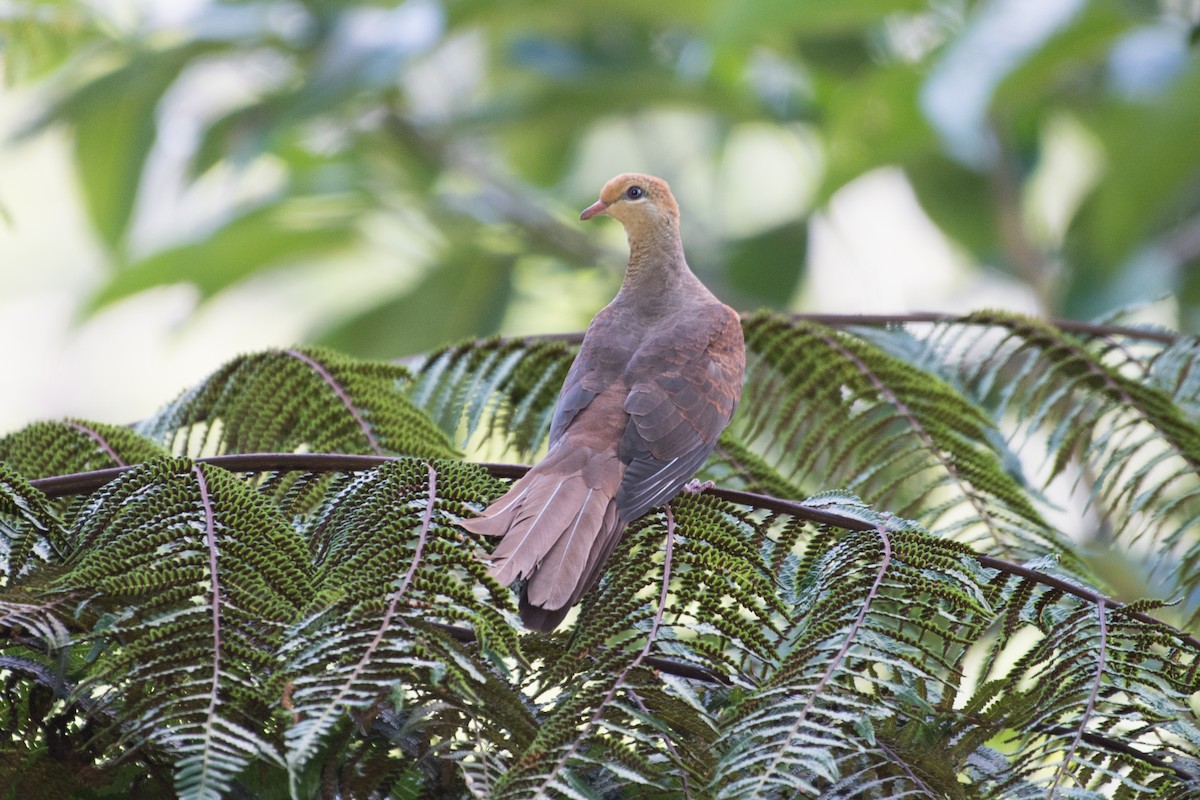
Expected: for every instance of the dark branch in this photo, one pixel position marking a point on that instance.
(83, 482)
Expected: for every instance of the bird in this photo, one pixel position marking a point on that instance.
(656, 380)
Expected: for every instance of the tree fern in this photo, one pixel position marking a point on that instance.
(29, 527)
(74, 445)
(852, 657)
(824, 402)
(392, 573)
(236, 623)
(197, 577)
(298, 399)
(1112, 411)
(504, 388)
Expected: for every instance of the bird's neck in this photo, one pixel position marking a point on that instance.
(658, 278)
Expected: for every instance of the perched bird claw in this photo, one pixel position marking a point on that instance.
(696, 486)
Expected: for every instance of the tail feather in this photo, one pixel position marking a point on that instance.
(562, 568)
(559, 522)
(542, 518)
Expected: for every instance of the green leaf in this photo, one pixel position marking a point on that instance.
(198, 567)
(750, 20)
(277, 234)
(73, 445)
(1152, 169)
(115, 123)
(30, 48)
(29, 528)
(464, 295)
(871, 122)
(957, 199)
(299, 400)
(768, 266)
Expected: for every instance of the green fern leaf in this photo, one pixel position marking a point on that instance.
(393, 568)
(299, 400)
(198, 577)
(29, 528)
(74, 445)
(506, 388)
(851, 661)
(821, 402)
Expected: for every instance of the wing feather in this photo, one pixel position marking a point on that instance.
(685, 383)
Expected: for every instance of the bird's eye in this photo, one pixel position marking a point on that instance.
(634, 192)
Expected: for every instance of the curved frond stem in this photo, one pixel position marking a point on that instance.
(907, 769)
(341, 393)
(1080, 356)
(1101, 659)
(670, 745)
(210, 537)
(835, 663)
(394, 600)
(334, 705)
(96, 437)
(611, 695)
(931, 445)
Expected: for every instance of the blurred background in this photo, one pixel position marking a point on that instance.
(185, 180)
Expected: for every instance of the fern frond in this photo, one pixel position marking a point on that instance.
(74, 445)
(299, 400)
(824, 402)
(323, 618)
(1109, 413)
(1097, 678)
(41, 624)
(599, 729)
(29, 528)
(193, 569)
(853, 660)
(506, 387)
(393, 571)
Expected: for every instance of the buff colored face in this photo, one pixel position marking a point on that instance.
(635, 200)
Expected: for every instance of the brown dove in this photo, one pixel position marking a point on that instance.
(657, 379)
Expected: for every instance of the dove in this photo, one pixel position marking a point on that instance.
(657, 378)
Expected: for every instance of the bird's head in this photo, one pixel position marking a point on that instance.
(641, 203)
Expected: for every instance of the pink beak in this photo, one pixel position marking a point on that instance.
(594, 209)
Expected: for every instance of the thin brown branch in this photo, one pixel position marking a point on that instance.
(83, 482)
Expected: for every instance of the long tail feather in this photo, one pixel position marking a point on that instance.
(559, 522)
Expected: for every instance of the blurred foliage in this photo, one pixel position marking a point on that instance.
(1051, 141)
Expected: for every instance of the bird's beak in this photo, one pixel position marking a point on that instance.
(594, 209)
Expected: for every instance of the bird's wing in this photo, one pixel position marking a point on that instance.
(685, 383)
(601, 361)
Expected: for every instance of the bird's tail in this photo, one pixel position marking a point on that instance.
(559, 524)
